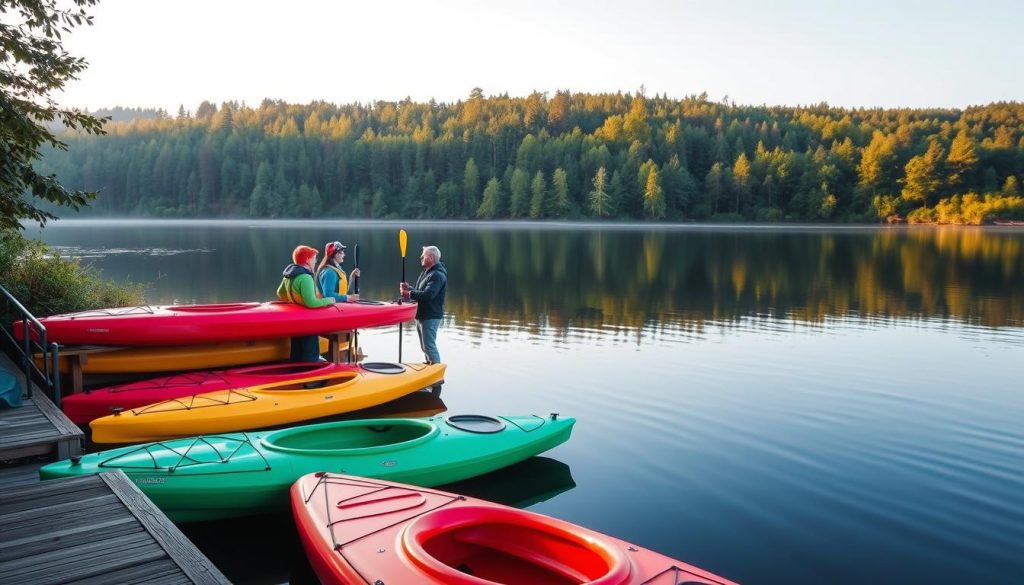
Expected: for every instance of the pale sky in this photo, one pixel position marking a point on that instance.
(163, 53)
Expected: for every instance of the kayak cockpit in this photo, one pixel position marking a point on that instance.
(465, 544)
(319, 383)
(352, 437)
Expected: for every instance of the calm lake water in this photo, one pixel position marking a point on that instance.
(777, 405)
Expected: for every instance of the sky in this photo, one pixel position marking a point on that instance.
(895, 53)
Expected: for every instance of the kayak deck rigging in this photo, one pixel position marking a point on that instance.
(187, 457)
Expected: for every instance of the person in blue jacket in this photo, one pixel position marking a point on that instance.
(429, 292)
(332, 279)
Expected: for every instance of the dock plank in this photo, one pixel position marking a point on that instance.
(93, 529)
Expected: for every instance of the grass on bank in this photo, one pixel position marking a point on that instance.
(47, 283)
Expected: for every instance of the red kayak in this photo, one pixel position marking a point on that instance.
(188, 324)
(358, 530)
(84, 407)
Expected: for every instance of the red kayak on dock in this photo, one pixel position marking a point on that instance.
(84, 407)
(357, 530)
(189, 324)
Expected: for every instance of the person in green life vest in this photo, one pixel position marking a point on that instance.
(299, 287)
(331, 277)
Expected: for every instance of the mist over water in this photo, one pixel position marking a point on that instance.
(776, 405)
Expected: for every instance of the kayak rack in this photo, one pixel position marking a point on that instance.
(185, 459)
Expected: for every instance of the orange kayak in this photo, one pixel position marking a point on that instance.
(358, 530)
(348, 387)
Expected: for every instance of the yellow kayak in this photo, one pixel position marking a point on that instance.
(350, 387)
(132, 360)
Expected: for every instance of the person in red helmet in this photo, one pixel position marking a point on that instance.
(298, 286)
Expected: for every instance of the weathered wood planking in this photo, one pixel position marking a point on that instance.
(93, 529)
(37, 427)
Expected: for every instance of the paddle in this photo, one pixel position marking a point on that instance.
(354, 347)
(355, 258)
(403, 241)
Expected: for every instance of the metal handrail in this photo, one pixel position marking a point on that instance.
(32, 330)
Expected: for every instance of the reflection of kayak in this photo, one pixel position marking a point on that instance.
(204, 478)
(184, 324)
(86, 406)
(141, 360)
(522, 485)
(422, 404)
(351, 387)
(353, 527)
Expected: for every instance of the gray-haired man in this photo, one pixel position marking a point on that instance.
(428, 292)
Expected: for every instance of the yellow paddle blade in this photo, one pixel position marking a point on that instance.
(403, 241)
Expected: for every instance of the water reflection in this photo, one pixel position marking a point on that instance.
(530, 482)
(845, 399)
(601, 281)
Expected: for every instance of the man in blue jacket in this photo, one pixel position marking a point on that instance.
(428, 292)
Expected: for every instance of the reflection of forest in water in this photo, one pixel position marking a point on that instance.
(629, 280)
(523, 276)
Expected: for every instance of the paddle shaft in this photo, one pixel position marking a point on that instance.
(403, 240)
(355, 279)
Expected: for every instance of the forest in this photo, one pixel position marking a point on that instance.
(570, 156)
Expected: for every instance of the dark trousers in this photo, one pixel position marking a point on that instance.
(306, 349)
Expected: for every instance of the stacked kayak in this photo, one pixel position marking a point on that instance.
(83, 407)
(191, 324)
(141, 360)
(358, 530)
(210, 477)
(351, 387)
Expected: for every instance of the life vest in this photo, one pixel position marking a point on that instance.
(293, 294)
(342, 279)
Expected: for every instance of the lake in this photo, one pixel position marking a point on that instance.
(794, 405)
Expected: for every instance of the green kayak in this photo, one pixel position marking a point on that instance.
(235, 474)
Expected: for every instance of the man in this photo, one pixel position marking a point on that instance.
(429, 293)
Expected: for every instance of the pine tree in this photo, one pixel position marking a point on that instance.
(635, 124)
(519, 198)
(741, 181)
(470, 187)
(654, 197)
(962, 160)
(1011, 188)
(561, 204)
(923, 175)
(490, 207)
(600, 200)
(538, 196)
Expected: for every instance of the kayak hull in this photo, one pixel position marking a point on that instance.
(234, 474)
(351, 387)
(84, 407)
(190, 324)
(179, 358)
(357, 530)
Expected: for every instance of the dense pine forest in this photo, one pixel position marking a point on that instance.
(566, 156)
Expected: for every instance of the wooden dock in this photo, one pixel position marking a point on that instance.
(37, 427)
(92, 529)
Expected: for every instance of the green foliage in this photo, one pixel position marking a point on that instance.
(974, 210)
(924, 175)
(491, 204)
(33, 64)
(538, 196)
(407, 159)
(48, 284)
